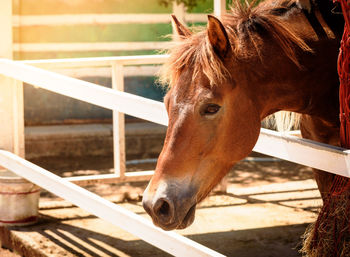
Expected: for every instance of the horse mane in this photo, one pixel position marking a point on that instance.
(246, 26)
(283, 121)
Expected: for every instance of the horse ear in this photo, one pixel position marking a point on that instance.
(218, 37)
(181, 30)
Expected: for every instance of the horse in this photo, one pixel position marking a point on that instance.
(278, 55)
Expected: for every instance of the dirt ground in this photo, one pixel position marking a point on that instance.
(264, 213)
(7, 253)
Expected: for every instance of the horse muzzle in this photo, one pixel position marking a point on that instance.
(170, 207)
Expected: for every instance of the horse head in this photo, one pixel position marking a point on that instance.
(211, 126)
(223, 82)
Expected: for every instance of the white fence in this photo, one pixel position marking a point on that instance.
(23, 21)
(321, 156)
(99, 19)
(170, 242)
(118, 102)
(103, 19)
(281, 145)
(113, 99)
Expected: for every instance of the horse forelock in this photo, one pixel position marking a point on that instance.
(196, 53)
(246, 27)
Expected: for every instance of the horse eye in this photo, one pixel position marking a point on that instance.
(211, 109)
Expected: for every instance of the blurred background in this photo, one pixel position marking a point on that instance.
(63, 133)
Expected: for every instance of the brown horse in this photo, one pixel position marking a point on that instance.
(279, 55)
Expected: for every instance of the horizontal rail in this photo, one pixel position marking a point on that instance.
(85, 91)
(97, 61)
(83, 47)
(111, 178)
(132, 71)
(170, 242)
(99, 19)
(303, 151)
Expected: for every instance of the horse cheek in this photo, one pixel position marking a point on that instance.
(242, 134)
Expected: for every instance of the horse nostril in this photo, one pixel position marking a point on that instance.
(163, 210)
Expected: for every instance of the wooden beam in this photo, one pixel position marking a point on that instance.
(85, 47)
(130, 71)
(6, 29)
(98, 19)
(18, 118)
(11, 93)
(97, 61)
(111, 178)
(179, 11)
(118, 123)
(170, 242)
(85, 91)
(219, 8)
(306, 152)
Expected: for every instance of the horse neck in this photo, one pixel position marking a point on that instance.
(323, 83)
(309, 89)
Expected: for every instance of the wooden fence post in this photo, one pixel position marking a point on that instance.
(219, 10)
(180, 12)
(118, 123)
(11, 91)
(219, 7)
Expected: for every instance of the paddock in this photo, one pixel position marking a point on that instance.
(272, 143)
(265, 211)
(14, 73)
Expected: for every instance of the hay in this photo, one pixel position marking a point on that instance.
(330, 234)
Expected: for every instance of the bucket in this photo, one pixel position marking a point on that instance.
(19, 200)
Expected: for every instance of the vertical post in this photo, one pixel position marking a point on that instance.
(11, 91)
(219, 8)
(18, 118)
(16, 9)
(179, 11)
(118, 123)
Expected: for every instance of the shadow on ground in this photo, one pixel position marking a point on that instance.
(263, 242)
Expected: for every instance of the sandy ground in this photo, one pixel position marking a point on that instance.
(7, 253)
(264, 213)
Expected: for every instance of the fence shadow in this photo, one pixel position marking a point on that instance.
(69, 240)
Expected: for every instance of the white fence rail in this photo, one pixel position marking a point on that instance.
(116, 101)
(85, 91)
(97, 61)
(84, 47)
(99, 19)
(302, 151)
(321, 156)
(23, 21)
(112, 99)
(147, 65)
(170, 242)
(130, 71)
